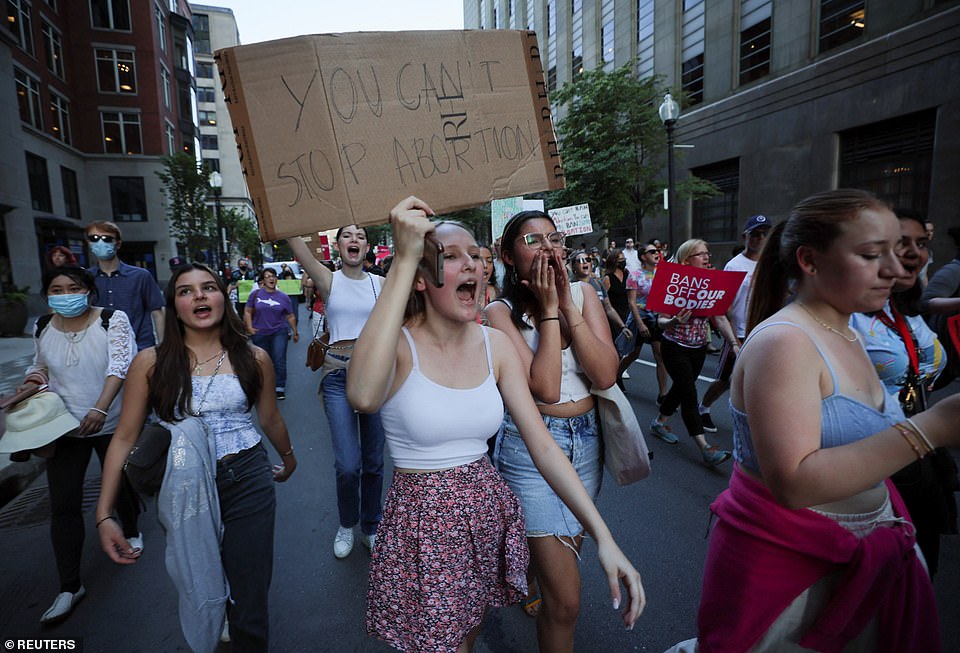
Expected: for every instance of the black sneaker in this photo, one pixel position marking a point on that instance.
(283, 395)
(707, 423)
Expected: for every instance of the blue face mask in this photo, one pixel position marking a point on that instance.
(68, 305)
(103, 250)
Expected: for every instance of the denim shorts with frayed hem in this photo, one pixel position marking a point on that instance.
(579, 439)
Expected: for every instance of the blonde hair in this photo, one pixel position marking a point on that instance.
(684, 251)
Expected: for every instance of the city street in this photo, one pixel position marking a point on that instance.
(318, 602)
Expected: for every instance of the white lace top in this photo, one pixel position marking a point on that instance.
(79, 363)
(223, 406)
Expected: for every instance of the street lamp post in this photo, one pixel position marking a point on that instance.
(669, 113)
(216, 183)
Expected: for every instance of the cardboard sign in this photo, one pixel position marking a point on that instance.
(335, 129)
(572, 220)
(706, 292)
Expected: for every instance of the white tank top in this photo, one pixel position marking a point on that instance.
(431, 426)
(349, 304)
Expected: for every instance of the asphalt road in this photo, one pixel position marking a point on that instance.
(317, 602)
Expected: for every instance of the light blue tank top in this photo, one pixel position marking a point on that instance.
(843, 419)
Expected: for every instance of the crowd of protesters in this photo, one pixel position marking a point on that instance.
(841, 482)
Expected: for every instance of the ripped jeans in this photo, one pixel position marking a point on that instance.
(579, 439)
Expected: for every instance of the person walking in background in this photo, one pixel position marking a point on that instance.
(349, 295)
(684, 348)
(217, 503)
(83, 353)
(58, 255)
(754, 236)
(562, 338)
(631, 256)
(125, 287)
(581, 265)
(940, 302)
(908, 357)
(642, 323)
(812, 546)
(614, 287)
(490, 275)
(271, 319)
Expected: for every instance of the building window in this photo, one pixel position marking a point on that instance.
(171, 136)
(201, 34)
(213, 165)
(28, 98)
(53, 45)
(60, 118)
(893, 159)
(161, 21)
(128, 199)
(208, 118)
(209, 142)
(531, 14)
(205, 94)
(644, 39)
(754, 39)
(606, 43)
(841, 21)
(576, 63)
(551, 79)
(39, 183)
(716, 219)
(116, 71)
(110, 14)
(54, 5)
(204, 70)
(165, 83)
(121, 132)
(692, 50)
(19, 24)
(551, 17)
(71, 192)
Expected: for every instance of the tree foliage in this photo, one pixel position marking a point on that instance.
(242, 235)
(614, 147)
(191, 221)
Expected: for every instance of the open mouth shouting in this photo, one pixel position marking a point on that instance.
(467, 291)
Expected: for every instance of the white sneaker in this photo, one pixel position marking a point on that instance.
(62, 606)
(343, 542)
(368, 541)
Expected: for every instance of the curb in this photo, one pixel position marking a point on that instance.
(15, 477)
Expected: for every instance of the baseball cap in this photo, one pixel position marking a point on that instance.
(756, 222)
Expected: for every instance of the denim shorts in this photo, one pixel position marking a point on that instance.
(579, 439)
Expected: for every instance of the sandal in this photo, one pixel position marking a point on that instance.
(531, 605)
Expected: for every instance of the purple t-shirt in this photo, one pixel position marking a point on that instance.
(269, 311)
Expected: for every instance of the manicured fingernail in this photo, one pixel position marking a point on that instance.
(616, 604)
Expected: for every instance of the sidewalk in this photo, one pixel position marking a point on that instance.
(16, 355)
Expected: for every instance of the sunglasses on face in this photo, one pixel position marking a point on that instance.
(581, 261)
(93, 238)
(538, 240)
(652, 251)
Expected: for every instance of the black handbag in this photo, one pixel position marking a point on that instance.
(147, 461)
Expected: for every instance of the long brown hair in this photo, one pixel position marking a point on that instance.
(170, 386)
(814, 222)
(519, 297)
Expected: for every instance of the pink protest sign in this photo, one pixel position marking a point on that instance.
(705, 292)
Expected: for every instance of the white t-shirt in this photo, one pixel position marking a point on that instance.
(738, 309)
(633, 258)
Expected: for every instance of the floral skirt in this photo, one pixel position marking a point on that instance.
(451, 544)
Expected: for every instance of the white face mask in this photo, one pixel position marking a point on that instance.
(102, 250)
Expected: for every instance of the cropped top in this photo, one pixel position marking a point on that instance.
(349, 304)
(224, 409)
(431, 426)
(843, 419)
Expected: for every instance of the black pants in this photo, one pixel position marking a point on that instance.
(683, 365)
(65, 474)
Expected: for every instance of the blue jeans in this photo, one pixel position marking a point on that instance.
(358, 455)
(247, 508)
(275, 344)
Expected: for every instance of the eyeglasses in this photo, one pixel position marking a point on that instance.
(581, 261)
(707, 254)
(537, 240)
(651, 251)
(93, 238)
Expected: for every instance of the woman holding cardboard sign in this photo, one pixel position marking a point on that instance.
(684, 349)
(348, 296)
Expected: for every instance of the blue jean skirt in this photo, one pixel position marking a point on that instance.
(579, 439)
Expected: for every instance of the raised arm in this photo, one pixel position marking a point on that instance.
(322, 277)
(374, 358)
(559, 473)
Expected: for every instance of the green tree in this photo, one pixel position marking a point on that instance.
(242, 235)
(191, 221)
(614, 147)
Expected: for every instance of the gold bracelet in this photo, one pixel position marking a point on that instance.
(103, 520)
(284, 454)
(907, 436)
(923, 436)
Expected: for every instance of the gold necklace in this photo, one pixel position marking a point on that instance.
(198, 368)
(827, 326)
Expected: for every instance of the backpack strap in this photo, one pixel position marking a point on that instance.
(44, 320)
